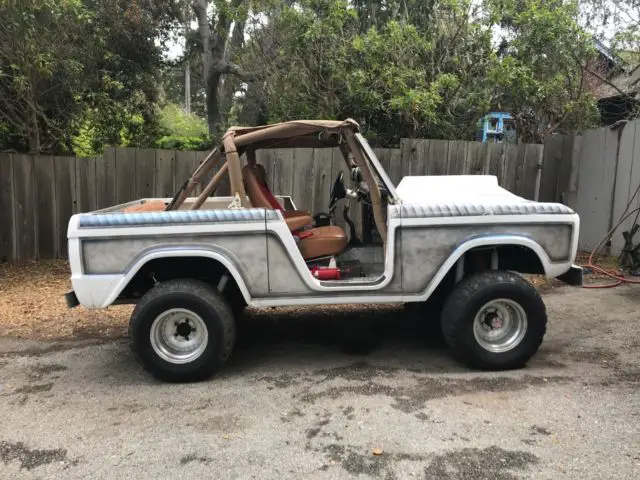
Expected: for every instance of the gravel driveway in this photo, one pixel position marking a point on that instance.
(310, 395)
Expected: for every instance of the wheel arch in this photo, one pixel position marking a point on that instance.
(447, 273)
(222, 264)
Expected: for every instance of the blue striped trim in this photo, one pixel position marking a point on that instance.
(175, 217)
(472, 210)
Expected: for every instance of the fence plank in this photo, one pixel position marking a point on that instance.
(7, 228)
(495, 166)
(395, 166)
(476, 157)
(514, 157)
(415, 156)
(595, 183)
(145, 173)
(275, 161)
(185, 165)
(125, 175)
(457, 158)
(323, 158)
(65, 178)
(287, 165)
(438, 157)
(528, 181)
(625, 185)
(106, 179)
(46, 207)
(567, 168)
(164, 178)
(24, 207)
(551, 165)
(303, 178)
(634, 184)
(86, 183)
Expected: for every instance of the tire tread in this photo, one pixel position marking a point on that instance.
(454, 317)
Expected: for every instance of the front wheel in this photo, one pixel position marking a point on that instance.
(494, 321)
(182, 330)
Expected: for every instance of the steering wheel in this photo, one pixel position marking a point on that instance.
(339, 191)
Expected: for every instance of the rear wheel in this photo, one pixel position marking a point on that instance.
(182, 330)
(494, 320)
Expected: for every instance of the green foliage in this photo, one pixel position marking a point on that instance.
(540, 72)
(80, 74)
(182, 131)
(175, 121)
(426, 69)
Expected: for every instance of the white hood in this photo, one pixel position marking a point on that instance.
(455, 189)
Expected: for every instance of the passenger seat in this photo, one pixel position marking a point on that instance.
(313, 243)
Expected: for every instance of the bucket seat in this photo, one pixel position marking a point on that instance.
(313, 242)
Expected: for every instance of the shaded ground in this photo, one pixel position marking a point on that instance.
(344, 393)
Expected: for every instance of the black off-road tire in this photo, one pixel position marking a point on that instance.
(469, 296)
(203, 300)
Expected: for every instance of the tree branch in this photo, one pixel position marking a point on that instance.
(229, 68)
(602, 79)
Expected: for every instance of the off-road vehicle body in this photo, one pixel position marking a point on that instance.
(190, 264)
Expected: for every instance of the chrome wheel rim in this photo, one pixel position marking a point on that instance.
(179, 336)
(500, 325)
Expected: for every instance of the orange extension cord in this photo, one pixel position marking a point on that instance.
(619, 279)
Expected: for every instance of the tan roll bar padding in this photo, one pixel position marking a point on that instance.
(376, 197)
(205, 166)
(211, 186)
(235, 170)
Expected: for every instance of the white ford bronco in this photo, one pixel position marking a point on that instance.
(190, 264)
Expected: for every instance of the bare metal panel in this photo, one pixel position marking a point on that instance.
(284, 279)
(425, 249)
(246, 251)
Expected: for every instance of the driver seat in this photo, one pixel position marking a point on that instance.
(254, 177)
(313, 242)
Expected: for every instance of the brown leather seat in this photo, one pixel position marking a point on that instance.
(313, 242)
(261, 197)
(322, 242)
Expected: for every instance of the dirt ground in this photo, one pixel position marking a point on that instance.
(346, 392)
(32, 306)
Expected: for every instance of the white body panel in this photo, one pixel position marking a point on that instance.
(461, 189)
(474, 203)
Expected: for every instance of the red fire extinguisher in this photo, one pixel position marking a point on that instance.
(326, 273)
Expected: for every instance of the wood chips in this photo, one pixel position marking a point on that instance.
(32, 306)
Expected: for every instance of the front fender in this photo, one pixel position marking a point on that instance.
(551, 269)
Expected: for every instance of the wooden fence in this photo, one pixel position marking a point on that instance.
(606, 182)
(38, 194)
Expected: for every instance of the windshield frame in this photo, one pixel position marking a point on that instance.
(377, 166)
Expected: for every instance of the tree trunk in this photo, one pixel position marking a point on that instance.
(215, 64)
(214, 118)
(33, 133)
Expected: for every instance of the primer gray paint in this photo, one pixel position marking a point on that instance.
(284, 278)
(425, 249)
(247, 251)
